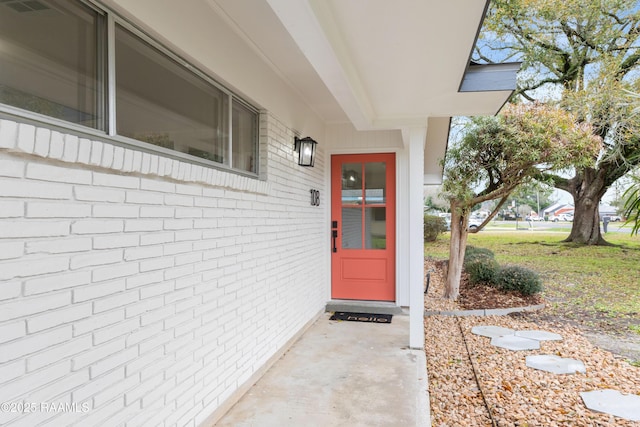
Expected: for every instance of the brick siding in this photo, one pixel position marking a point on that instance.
(146, 288)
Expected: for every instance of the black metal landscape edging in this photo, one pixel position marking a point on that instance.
(484, 311)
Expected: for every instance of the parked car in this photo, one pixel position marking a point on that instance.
(534, 218)
(507, 216)
(615, 218)
(562, 217)
(474, 223)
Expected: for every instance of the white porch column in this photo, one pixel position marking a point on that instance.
(415, 144)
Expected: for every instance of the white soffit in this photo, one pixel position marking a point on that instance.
(262, 30)
(328, 57)
(391, 64)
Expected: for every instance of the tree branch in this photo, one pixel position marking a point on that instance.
(558, 181)
(571, 34)
(517, 29)
(629, 62)
(482, 57)
(538, 84)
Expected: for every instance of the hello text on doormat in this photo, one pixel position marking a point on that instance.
(362, 317)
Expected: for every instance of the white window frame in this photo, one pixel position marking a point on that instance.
(110, 81)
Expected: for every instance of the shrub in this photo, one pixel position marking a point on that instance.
(473, 252)
(481, 265)
(433, 226)
(482, 269)
(520, 279)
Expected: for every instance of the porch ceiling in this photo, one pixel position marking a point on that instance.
(379, 64)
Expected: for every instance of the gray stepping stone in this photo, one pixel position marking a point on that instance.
(555, 364)
(539, 335)
(512, 342)
(491, 331)
(613, 402)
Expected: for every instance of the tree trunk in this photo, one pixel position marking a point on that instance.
(457, 248)
(587, 190)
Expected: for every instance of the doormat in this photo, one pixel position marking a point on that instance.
(361, 317)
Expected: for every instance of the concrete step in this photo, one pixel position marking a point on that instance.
(372, 307)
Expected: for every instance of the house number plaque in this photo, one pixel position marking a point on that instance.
(315, 197)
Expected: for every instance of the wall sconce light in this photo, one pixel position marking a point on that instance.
(306, 148)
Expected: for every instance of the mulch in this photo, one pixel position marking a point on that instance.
(474, 297)
(471, 381)
(478, 296)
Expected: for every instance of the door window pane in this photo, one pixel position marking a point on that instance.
(160, 102)
(50, 62)
(352, 228)
(375, 226)
(375, 183)
(352, 183)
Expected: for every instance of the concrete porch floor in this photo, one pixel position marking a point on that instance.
(341, 374)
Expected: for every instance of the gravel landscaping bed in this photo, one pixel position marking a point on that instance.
(472, 383)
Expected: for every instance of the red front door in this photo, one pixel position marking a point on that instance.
(363, 227)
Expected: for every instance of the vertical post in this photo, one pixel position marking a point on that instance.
(417, 138)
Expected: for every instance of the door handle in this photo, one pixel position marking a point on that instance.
(334, 234)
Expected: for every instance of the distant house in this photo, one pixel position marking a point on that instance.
(161, 241)
(557, 209)
(607, 210)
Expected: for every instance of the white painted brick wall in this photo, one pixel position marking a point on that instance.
(34, 342)
(55, 354)
(144, 287)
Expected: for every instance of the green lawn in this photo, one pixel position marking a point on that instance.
(602, 281)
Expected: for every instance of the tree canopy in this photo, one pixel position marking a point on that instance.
(497, 154)
(584, 56)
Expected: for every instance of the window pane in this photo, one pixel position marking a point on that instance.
(245, 138)
(375, 184)
(352, 183)
(160, 102)
(352, 228)
(375, 228)
(49, 60)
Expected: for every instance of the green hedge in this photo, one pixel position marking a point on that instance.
(520, 279)
(482, 270)
(473, 252)
(481, 266)
(433, 226)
